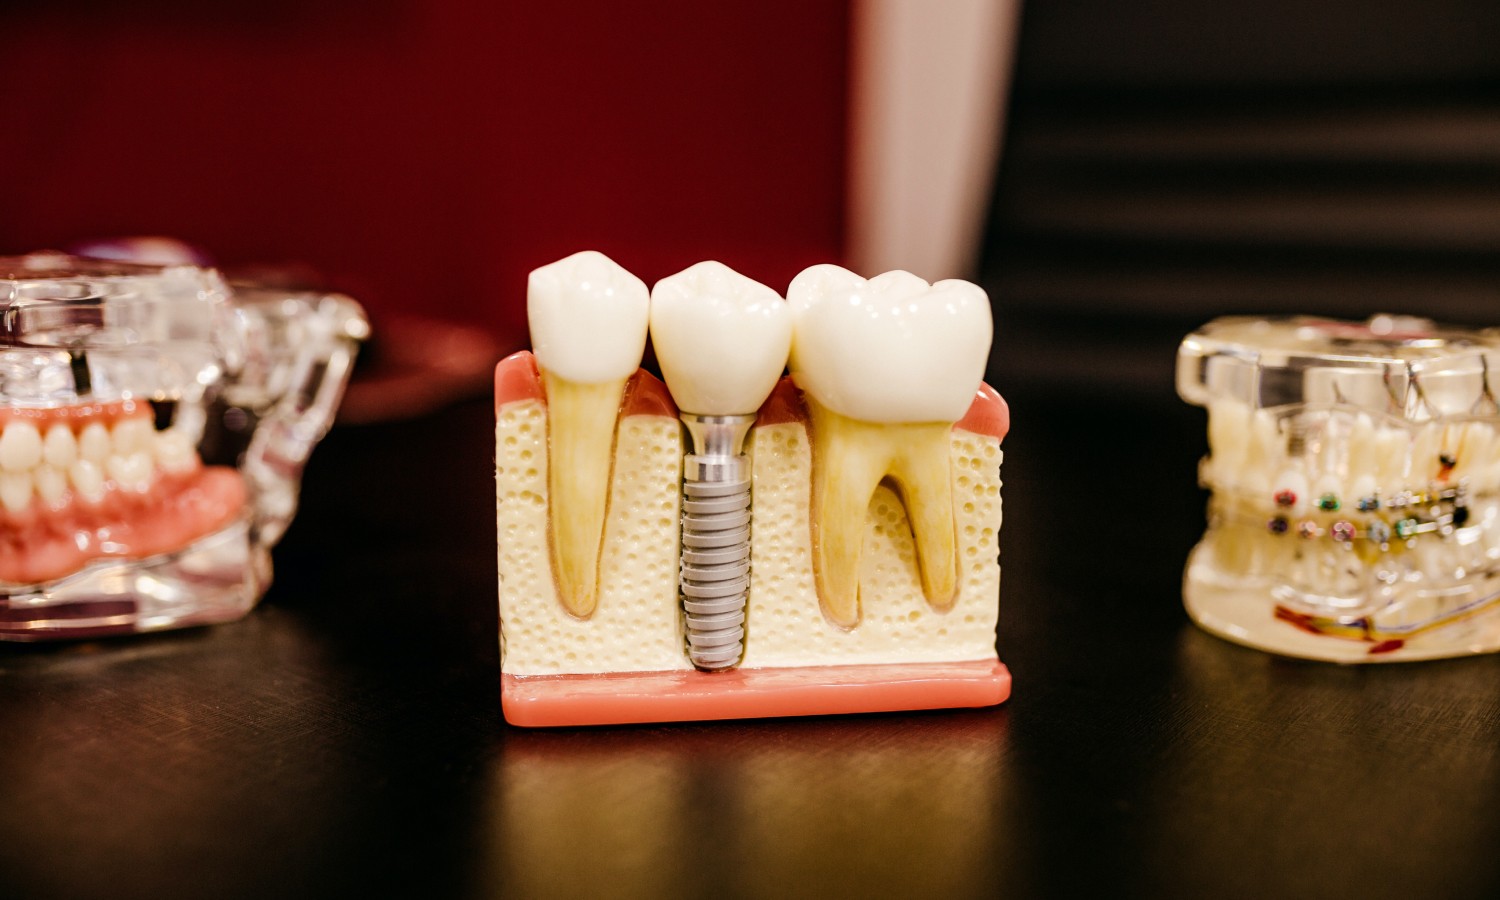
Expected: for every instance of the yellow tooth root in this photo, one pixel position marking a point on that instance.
(850, 459)
(580, 445)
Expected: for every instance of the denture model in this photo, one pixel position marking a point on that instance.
(116, 380)
(1355, 478)
(735, 543)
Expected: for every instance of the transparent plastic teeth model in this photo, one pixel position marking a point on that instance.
(153, 430)
(1355, 478)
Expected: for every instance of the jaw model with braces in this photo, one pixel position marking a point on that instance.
(1355, 471)
(869, 579)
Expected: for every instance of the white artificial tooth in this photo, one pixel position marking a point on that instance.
(132, 435)
(94, 443)
(588, 319)
(60, 447)
(1424, 453)
(51, 483)
(1361, 450)
(20, 446)
(887, 366)
(88, 480)
(722, 339)
(132, 472)
(1363, 487)
(1228, 440)
(174, 452)
(1470, 443)
(15, 491)
(890, 349)
(1392, 450)
(1264, 452)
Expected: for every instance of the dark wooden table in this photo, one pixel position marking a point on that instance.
(347, 737)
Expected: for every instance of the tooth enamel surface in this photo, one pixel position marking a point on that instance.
(588, 319)
(60, 448)
(51, 483)
(892, 349)
(722, 339)
(20, 447)
(132, 436)
(87, 479)
(93, 443)
(174, 452)
(15, 491)
(887, 366)
(132, 472)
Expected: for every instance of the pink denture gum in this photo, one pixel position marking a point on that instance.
(153, 428)
(675, 584)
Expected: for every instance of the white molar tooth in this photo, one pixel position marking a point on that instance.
(60, 447)
(15, 491)
(175, 452)
(51, 483)
(20, 446)
(887, 366)
(132, 435)
(891, 349)
(87, 479)
(588, 318)
(721, 338)
(94, 443)
(130, 471)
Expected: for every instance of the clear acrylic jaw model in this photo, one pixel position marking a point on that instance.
(1355, 478)
(153, 429)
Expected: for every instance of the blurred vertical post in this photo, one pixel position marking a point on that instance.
(929, 84)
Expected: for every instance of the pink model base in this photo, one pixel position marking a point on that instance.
(543, 701)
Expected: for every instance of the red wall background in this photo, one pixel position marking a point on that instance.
(426, 155)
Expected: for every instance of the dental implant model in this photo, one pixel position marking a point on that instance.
(722, 341)
(819, 543)
(1355, 471)
(114, 379)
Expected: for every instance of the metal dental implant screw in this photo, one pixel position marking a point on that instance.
(715, 573)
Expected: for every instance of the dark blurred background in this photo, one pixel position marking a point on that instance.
(1168, 161)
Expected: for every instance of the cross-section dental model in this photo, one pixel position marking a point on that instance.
(870, 578)
(111, 377)
(1355, 472)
